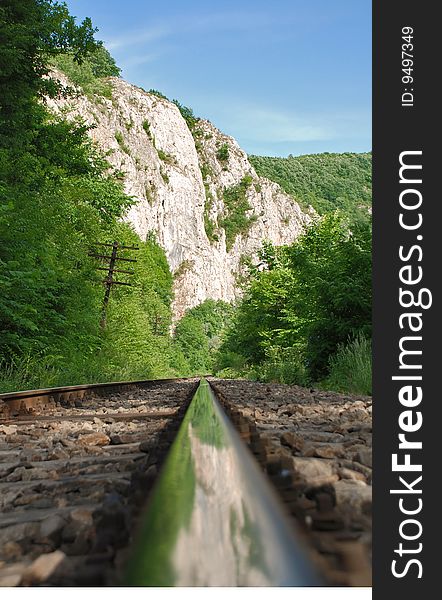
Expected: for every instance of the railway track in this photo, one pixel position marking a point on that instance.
(78, 464)
(316, 448)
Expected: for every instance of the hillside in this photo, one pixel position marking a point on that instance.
(191, 185)
(324, 181)
(89, 160)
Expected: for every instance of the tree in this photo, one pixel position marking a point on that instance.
(31, 31)
(199, 333)
(313, 296)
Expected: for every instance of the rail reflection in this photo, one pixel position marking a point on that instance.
(212, 519)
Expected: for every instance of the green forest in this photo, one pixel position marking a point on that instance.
(324, 181)
(305, 316)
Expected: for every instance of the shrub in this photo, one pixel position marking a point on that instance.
(210, 226)
(158, 94)
(164, 156)
(103, 64)
(206, 171)
(236, 205)
(310, 296)
(187, 114)
(90, 74)
(146, 127)
(283, 366)
(223, 153)
(183, 267)
(120, 140)
(351, 368)
(200, 331)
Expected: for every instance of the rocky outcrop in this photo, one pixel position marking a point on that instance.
(191, 187)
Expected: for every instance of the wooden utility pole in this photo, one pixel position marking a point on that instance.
(109, 281)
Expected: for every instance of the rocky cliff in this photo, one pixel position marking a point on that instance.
(194, 187)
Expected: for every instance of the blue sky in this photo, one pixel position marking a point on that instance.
(287, 76)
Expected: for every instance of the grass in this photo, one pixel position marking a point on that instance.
(121, 143)
(82, 76)
(351, 368)
(236, 205)
(184, 266)
(165, 157)
(35, 372)
(210, 226)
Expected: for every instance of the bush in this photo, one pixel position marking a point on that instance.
(236, 205)
(283, 366)
(120, 140)
(146, 127)
(351, 368)
(158, 94)
(89, 74)
(103, 64)
(187, 114)
(308, 299)
(223, 153)
(199, 333)
(165, 157)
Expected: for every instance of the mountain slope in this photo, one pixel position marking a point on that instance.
(195, 189)
(325, 181)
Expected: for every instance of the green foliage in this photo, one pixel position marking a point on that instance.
(120, 140)
(199, 334)
(326, 181)
(206, 171)
(350, 368)
(311, 297)
(222, 153)
(90, 74)
(146, 127)
(187, 114)
(158, 94)
(165, 157)
(103, 64)
(236, 205)
(31, 31)
(58, 196)
(210, 226)
(150, 193)
(282, 365)
(184, 266)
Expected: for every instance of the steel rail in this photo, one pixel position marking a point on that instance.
(26, 399)
(212, 518)
(54, 391)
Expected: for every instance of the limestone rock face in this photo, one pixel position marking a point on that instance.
(178, 178)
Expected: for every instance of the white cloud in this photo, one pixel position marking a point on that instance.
(177, 24)
(139, 59)
(133, 38)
